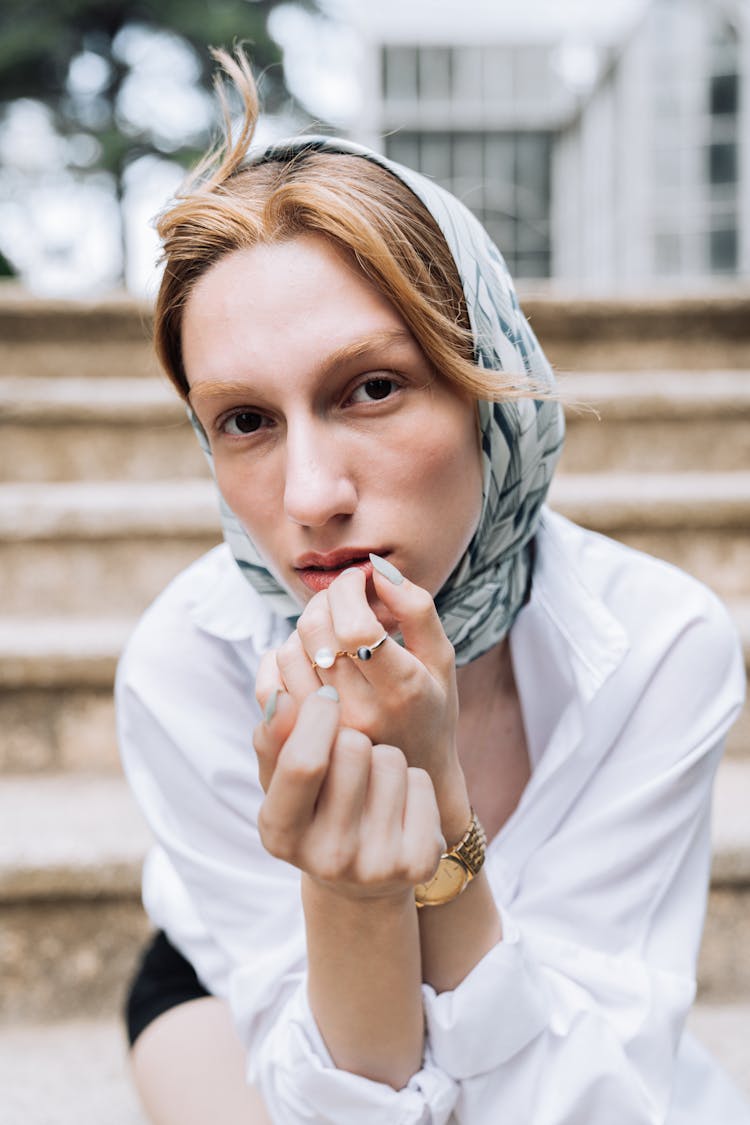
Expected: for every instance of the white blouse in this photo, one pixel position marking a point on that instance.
(629, 674)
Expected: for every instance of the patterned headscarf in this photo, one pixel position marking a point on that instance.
(521, 439)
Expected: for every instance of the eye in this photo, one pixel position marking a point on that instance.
(243, 422)
(374, 390)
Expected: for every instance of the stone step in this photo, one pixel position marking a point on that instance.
(725, 1030)
(56, 681)
(76, 1072)
(657, 422)
(87, 548)
(56, 684)
(724, 967)
(49, 337)
(74, 428)
(658, 331)
(77, 428)
(697, 521)
(71, 923)
(738, 742)
(112, 336)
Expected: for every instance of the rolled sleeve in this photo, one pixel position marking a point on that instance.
(300, 1082)
(538, 1015)
(504, 981)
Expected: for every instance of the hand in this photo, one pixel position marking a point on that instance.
(350, 814)
(404, 696)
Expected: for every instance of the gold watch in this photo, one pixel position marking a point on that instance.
(456, 869)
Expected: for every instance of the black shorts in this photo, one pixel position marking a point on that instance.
(163, 980)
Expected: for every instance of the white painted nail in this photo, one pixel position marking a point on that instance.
(270, 708)
(328, 691)
(388, 570)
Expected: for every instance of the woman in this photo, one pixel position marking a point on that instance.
(439, 661)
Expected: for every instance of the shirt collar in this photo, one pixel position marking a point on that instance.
(225, 605)
(596, 641)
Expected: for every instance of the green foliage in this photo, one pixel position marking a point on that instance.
(39, 40)
(6, 269)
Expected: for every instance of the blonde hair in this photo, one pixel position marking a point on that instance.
(354, 203)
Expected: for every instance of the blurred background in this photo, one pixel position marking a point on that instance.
(606, 146)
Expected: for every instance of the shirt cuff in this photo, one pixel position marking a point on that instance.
(300, 1082)
(503, 994)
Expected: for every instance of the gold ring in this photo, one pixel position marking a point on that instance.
(326, 658)
(364, 652)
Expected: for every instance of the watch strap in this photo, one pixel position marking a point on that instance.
(469, 852)
(472, 847)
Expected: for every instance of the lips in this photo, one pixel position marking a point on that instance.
(317, 571)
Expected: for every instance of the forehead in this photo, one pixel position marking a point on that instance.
(302, 298)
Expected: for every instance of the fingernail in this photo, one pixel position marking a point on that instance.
(388, 570)
(270, 708)
(328, 691)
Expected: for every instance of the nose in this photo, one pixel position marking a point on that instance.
(319, 484)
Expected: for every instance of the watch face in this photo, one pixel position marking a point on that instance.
(447, 882)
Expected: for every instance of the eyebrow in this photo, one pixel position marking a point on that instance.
(341, 357)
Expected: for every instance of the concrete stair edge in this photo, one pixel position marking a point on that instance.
(690, 331)
(71, 649)
(61, 651)
(117, 509)
(572, 313)
(107, 510)
(87, 1077)
(72, 925)
(615, 502)
(69, 836)
(663, 394)
(731, 824)
(42, 401)
(78, 835)
(70, 1072)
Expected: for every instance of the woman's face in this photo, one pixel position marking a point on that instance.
(332, 436)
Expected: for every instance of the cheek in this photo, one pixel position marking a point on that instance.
(250, 494)
(453, 467)
(447, 477)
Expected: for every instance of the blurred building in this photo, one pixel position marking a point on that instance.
(610, 154)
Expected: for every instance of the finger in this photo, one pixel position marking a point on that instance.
(301, 768)
(270, 735)
(381, 852)
(423, 840)
(268, 680)
(352, 619)
(345, 788)
(414, 610)
(356, 626)
(321, 645)
(386, 794)
(298, 676)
